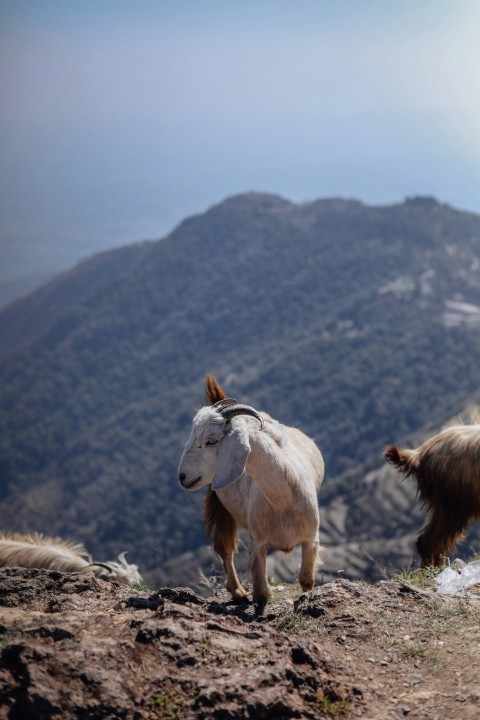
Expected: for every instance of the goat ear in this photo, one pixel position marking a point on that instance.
(213, 390)
(233, 452)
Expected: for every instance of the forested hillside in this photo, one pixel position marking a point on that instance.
(359, 324)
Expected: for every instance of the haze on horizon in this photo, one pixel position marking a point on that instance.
(119, 119)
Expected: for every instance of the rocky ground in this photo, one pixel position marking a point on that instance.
(76, 647)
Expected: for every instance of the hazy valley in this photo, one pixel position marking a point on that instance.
(359, 324)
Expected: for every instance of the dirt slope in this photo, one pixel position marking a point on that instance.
(77, 647)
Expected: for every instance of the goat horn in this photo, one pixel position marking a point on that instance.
(100, 564)
(228, 408)
(226, 402)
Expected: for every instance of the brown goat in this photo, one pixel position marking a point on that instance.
(447, 470)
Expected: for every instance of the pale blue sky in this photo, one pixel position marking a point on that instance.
(118, 119)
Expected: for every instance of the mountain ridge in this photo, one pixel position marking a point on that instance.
(328, 315)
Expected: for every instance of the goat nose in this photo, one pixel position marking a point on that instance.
(181, 477)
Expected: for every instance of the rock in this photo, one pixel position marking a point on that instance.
(153, 602)
(76, 648)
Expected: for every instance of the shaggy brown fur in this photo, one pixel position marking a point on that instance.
(219, 523)
(446, 468)
(216, 519)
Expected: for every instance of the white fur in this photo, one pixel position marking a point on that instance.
(268, 479)
(37, 551)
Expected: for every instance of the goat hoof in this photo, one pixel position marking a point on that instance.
(306, 586)
(240, 599)
(260, 608)
(239, 594)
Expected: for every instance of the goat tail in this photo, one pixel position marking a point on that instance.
(406, 461)
(219, 523)
(213, 390)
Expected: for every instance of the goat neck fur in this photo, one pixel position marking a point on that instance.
(35, 550)
(266, 479)
(446, 468)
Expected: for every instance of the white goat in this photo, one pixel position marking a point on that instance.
(267, 476)
(38, 551)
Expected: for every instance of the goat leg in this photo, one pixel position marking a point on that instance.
(233, 584)
(309, 558)
(258, 568)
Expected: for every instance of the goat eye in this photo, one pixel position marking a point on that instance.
(211, 442)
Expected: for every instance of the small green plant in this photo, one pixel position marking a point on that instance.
(292, 623)
(421, 578)
(142, 586)
(172, 709)
(331, 706)
(412, 649)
